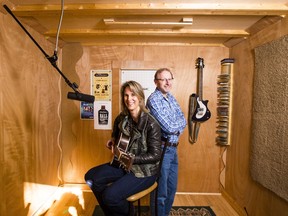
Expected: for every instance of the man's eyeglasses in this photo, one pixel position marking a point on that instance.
(167, 80)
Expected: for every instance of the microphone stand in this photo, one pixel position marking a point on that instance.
(52, 59)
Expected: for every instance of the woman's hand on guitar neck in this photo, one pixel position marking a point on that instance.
(110, 145)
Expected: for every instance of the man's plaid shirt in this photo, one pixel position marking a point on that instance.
(168, 113)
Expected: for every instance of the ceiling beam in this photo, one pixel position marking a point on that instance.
(154, 41)
(153, 9)
(157, 33)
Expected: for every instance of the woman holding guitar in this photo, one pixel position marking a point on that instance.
(136, 144)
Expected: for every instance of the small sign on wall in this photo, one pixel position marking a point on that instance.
(86, 110)
(101, 86)
(102, 115)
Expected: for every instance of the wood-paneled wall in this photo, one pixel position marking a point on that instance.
(29, 100)
(199, 163)
(240, 188)
(32, 120)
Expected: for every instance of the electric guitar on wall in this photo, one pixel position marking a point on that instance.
(201, 113)
(121, 157)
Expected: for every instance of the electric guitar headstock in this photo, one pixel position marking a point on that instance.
(199, 63)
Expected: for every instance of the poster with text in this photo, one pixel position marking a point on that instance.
(102, 115)
(101, 86)
(86, 110)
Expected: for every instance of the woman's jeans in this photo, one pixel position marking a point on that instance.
(112, 185)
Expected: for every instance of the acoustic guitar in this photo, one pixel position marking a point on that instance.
(201, 113)
(122, 158)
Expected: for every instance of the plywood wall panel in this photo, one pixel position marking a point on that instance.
(29, 120)
(31, 147)
(199, 164)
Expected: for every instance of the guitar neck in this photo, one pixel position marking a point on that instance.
(200, 66)
(200, 84)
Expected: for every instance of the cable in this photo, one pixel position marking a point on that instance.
(224, 166)
(59, 136)
(60, 100)
(59, 25)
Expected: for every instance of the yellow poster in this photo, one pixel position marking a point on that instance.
(101, 85)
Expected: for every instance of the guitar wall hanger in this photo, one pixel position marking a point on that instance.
(76, 95)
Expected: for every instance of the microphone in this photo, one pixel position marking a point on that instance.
(80, 97)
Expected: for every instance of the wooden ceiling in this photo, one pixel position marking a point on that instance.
(142, 22)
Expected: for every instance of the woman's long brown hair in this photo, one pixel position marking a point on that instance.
(137, 89)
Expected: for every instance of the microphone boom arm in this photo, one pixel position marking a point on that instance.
(51, 59)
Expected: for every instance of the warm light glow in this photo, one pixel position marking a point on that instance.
(41, 197)
(72, 210)
(38, 196)
(77, 191)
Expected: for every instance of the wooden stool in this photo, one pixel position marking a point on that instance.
(137, 197)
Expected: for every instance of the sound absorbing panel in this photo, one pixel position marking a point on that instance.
(269, 146)
(224, 105)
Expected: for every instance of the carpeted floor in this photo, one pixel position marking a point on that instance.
(192, 210)
(176, 211)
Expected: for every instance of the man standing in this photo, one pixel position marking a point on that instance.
(164, 107)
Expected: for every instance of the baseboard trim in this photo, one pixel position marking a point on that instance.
(85, 187)
(198, 193)
(233, 204)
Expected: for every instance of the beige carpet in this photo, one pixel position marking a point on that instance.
(269, 152)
